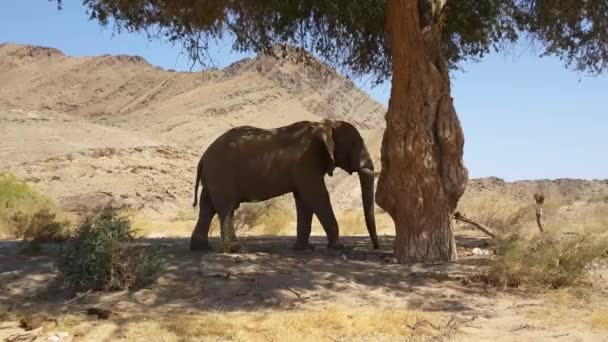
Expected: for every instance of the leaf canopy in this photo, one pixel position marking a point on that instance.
(351, 35)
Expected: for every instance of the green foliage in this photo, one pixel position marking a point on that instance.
(545, 261)
(103, 256)
(352, 36)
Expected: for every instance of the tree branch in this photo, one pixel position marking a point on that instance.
(460, 217)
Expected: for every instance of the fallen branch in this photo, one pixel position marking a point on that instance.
(460, 217)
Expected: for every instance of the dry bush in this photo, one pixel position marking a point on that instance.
(103, 257)
(27, 214)
(41, 226)
(546, 260)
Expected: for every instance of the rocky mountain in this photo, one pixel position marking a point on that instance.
(92, 129)
(85, 128)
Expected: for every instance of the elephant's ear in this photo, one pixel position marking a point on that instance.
(327, 136)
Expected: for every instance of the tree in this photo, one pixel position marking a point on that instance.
(415, 43)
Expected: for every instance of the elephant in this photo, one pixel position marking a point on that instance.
(251, 164)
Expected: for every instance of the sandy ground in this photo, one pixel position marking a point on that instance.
(271, 279)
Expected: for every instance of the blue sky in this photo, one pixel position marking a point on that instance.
(524, 117)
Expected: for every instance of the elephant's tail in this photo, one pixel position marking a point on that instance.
(199, 170)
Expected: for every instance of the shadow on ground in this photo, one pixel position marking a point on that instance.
(269, 274)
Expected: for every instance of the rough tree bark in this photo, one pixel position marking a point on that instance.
(423, 175)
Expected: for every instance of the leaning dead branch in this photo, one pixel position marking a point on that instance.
(539, 199)
(460, 217)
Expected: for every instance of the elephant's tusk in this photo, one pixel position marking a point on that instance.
(369, 172)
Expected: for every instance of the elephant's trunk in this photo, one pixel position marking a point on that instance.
(367, 195)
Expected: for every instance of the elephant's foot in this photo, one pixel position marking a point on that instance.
(337, 245)
(376, 244)
(303, 246)
(199, 245)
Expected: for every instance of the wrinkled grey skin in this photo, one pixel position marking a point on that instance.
(249, 164)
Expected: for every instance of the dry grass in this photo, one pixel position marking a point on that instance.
(352, 223)
(272, 217)
(501, 213)
(599, 320)
(325, 325)
(507, 215)
(580, 217)
(546, 260)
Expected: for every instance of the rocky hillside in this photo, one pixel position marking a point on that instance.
(91, 128)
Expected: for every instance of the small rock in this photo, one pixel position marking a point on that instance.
(101, 313)
(272, 301)
(479, 251)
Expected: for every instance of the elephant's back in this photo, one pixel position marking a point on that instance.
(236, 145)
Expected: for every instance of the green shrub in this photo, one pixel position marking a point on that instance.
(545, 261)
(103, 255)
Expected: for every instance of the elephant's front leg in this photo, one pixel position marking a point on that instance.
(304, 221)
(315, 196)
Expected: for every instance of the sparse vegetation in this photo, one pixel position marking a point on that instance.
(323, 325)
(271, 216)
(352, 223)
(103, 257)
(27, 214)
(546, 260)
(502, 214)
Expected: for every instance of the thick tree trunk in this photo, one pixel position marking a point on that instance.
(423, 175)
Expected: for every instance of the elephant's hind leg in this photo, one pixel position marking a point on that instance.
(200, 236)
(304, 221)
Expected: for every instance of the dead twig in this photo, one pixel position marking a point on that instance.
(227, 276)
(460, 217)
(77, 298)
(522, 327)
(559, 335)
(294, 292)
